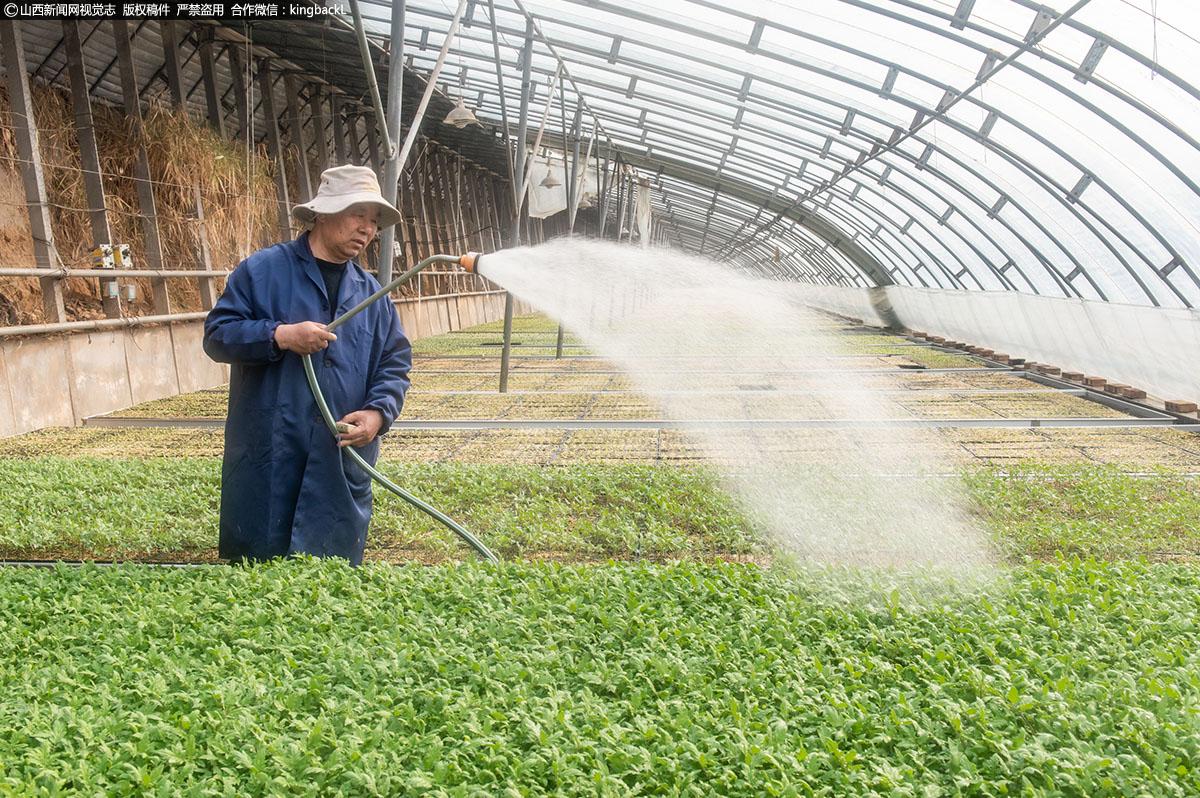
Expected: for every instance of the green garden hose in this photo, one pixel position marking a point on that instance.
(332, 424)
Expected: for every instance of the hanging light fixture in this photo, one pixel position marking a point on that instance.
(550, 181)
(460, 116)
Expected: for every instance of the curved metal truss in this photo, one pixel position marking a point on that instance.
(969, 144)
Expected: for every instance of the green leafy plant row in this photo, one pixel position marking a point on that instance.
(1092, 509)
(88, 508)
(100, 508)
(312, 678)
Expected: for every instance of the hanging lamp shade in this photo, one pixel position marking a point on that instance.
(550, 181)
(460, 116)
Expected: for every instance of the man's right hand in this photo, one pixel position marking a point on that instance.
(303, 338)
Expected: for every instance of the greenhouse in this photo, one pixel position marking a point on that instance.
(577, 397)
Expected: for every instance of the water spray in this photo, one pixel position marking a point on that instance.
(336, 427)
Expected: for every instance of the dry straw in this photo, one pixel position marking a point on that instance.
(183, 155)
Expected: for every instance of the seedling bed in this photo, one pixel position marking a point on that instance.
(311, 677)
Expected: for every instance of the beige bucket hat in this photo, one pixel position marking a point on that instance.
(341, 187)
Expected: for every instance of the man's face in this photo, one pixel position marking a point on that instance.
(345, 234)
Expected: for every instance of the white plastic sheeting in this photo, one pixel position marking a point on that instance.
(642, 211)
(547, 200)
(1069, 171)
(1155, 349)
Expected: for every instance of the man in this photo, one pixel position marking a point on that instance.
(285, 487)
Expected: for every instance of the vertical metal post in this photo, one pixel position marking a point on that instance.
(503, 98)
(30, 157)
(89, 158)
(522, 131)
(141, 166)
(570, 177)
(573, 188)
(274, 147)
(389, 181)
(296, 136)
(372, 249)
(208, 72)
(518, 204)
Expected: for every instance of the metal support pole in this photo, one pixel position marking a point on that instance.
(512, 177)
(141, 167)
(369, 69)
(522, 131)
(518, 184)
(89, 157)
(390, 179)
(569, 177)
(372, 248)
(505, 353)
(274, 147)
(31, 166)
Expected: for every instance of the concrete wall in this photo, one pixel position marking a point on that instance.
(1155, 349)
(58, 380)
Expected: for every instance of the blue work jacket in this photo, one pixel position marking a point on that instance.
(286, 488)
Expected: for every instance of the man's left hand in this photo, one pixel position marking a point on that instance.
(366, 427)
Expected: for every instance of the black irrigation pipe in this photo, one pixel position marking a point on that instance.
(1162, 420)
(786, 424)
(755, 372)
(756, 390)
(105, 563)
(673, 355)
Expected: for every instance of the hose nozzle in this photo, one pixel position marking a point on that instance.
(470, 262)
